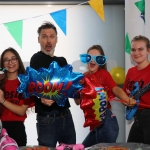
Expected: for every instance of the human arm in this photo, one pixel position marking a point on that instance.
(19, 110)
(118, 92)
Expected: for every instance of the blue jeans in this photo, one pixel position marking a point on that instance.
(140, 130)
(56, 129)
(105, 133)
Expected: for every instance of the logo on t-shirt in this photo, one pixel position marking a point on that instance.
(130, 84)
(12, 96)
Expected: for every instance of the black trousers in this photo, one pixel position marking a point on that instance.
(140, 130)
(16, 130)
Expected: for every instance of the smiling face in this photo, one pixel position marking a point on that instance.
(48, 40)
(10, 62)
(139, 52)
(93, 66)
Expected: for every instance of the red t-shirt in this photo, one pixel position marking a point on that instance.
(11, 95)
(141, 76)
(102, 77)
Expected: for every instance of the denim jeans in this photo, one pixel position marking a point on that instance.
(56, 129)
(140, 130)
(105, 133)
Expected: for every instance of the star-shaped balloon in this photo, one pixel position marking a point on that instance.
(56, 83)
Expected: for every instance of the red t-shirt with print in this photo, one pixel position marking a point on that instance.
(11, 95)
(102, 77)
(142, 77)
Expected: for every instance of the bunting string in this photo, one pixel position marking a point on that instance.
(52, 12)
(15, 27)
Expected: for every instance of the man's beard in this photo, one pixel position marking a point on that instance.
(51, 52)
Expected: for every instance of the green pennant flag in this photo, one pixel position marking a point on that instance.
(15, 29)
(127, 44)
(141, 6)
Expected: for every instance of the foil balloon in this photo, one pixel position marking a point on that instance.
(93, 103)
(56, 83)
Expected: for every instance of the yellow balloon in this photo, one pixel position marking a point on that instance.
(118, 74)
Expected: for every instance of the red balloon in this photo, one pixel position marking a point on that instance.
(93, 102)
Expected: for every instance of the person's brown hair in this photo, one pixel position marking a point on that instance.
(101, 51)
(46, 25)
(21, 69)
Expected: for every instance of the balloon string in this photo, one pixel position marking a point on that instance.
(118, 100)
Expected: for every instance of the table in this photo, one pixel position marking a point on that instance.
(131, 146)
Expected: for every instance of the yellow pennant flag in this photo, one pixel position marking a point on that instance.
(97, 5)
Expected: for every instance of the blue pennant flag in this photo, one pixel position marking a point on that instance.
(60, 19)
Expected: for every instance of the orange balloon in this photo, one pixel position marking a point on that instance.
(118, 74)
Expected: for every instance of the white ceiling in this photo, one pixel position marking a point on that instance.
(56, 2)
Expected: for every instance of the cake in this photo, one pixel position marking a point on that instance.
(37, 148)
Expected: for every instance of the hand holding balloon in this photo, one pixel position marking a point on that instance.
(47, 101)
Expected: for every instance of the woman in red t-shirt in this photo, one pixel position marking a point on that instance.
(14, 106)
(99, 76)
(140, 49)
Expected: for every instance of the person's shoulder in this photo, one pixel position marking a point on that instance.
(102, 71)
(148, 66)
(134, 68)
(61, 61)
(60, 58)
(86, 73)
(37, 54)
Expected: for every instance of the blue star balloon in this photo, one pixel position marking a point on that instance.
(56, 83)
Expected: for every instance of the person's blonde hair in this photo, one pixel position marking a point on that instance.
(142, 38)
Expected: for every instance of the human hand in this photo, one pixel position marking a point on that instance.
(2, 99)
(130, 102)
(47, 102)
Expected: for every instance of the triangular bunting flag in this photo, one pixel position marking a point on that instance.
(141, 6)
(127, 44)
(15, 29)
(60, 18)
(98, 6)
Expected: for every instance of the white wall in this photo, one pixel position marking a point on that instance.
(84, 29)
